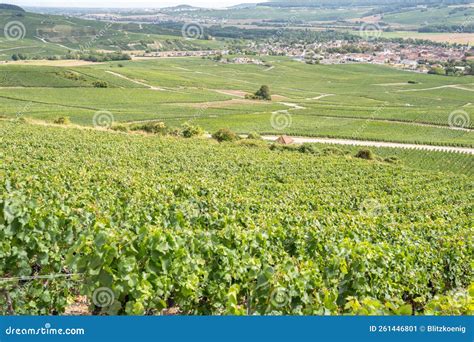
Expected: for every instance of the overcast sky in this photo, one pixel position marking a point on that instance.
(126, 3)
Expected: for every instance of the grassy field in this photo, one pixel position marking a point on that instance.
(200, 227)
(312, 100)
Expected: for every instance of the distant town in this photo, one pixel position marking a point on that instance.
(421, 58)
(424, 58)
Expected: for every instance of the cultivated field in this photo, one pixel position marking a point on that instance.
(135, 224)
(308, 100)
(150, 186)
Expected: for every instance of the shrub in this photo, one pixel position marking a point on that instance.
(225, 134)
(308, 148)
(120, 128)
(365, 154)
(189, 131)
(176, 132)
(334, 151)
(100, 84)
(262, 94)
(70, 75)
(151, 127)
(252, 143)
(437, 71)
(63, 120)
(280, 147)
(103, 57)
(392, 160)
(254, 136)
(19, 57)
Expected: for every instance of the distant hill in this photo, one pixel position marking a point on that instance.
(48, 36)
(244, 5)
(180, 8)
(333, 3)
(11, 8)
